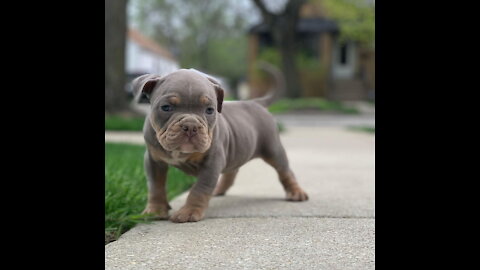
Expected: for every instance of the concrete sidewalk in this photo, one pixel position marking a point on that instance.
(253, 227)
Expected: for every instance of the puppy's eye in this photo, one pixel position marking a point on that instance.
(210, 110)
(166, 108)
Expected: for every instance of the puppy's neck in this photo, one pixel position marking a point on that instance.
(176, 158)
(179, 157)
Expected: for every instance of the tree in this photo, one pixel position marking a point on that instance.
(115, 39)
(355, 18)
(206, 35)
(282, 27)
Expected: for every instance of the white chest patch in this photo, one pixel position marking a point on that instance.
(176, 158)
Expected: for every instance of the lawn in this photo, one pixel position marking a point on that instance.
(131, 123)
(317, 104)
(126, 187)
(367, 129)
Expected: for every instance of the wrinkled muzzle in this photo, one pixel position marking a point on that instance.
(186, 133)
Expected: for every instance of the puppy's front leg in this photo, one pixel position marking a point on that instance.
(197, 200)
(156, 172)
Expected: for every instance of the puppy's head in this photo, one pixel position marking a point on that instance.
(184, 107)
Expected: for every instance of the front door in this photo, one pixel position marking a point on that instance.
(343, 60)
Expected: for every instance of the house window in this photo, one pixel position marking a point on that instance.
(343, 54)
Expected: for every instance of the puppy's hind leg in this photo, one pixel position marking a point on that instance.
(226, 181)
(277, 158)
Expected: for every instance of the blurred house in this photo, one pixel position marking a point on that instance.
(339, 71)
(143, 55)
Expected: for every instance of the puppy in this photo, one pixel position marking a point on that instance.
(191, 128)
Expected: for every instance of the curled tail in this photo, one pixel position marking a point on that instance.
(276, 90)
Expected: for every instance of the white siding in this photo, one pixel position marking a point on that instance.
(140, 60)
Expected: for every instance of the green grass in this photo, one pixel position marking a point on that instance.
(363, 129)
(126, 187)
(124, 123)
(320, 104)
(281, 127)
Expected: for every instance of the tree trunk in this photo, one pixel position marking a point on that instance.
(292, 80)
(286, 42)
(115, 39)
(283, 29)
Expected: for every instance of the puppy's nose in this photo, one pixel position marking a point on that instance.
(190, 129)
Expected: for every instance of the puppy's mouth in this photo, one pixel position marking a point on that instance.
(189, 146)
(190, 134)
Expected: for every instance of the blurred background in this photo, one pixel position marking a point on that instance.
(325, 48)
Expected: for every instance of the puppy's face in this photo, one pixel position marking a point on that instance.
(184, 107)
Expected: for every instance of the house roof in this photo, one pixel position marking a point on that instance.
(305, 25)
(149, 44)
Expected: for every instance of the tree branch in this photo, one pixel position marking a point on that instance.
(267, 15)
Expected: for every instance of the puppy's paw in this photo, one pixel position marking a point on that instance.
(297, 195)
(219, 193)
(157, 211)
(187, 214)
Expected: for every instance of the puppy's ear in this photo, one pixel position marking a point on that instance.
(220, 93)
(145, 84)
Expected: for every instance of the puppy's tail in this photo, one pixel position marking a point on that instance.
(276, 90)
